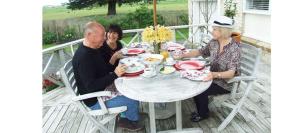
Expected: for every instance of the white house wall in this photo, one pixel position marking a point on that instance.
(257, 26)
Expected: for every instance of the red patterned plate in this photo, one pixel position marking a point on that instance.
(133, 74)
(135, 51)
(192, 65)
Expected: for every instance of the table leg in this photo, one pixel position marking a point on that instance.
(163, 113)
(179, 123)
(152, 118)
(178, 116)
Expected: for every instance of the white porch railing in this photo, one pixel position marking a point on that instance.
(64, 51)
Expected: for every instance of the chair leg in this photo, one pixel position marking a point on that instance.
(246, 115)
(98, 126)
(228, 119)
(94, 130)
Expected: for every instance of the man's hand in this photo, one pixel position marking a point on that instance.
(120, 69)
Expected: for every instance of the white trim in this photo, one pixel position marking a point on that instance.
(260, 12)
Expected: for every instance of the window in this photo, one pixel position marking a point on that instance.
(257, 5)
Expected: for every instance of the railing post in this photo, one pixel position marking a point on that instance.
(72, 50)
(62, 56)
(48, 63)
(139, 37)
(174, 35)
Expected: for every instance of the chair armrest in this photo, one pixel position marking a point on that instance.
(242, 78)
(92, 95)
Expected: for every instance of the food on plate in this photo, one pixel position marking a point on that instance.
(167, 70)
(151, 59)
(133, 65)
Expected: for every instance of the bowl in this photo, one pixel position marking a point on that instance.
(152, 59)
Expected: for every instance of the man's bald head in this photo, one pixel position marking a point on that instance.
(94, 34)
(92, 27)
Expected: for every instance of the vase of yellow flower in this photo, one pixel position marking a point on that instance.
(157, 47)
(156, 36)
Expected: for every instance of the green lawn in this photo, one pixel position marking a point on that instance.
(166, 7)
(48, 45)
(54, 13)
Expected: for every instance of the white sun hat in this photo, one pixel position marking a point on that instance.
(223, 21)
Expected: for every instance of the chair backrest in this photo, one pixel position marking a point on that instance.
(250, 57)
(68, 78)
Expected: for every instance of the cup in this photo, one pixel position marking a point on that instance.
(148, 71)
(169, 60)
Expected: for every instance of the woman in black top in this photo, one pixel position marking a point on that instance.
(112, 45)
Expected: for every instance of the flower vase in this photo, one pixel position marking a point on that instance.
(157, 47)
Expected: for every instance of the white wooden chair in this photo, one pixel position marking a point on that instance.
(107, 114)
(250, 57)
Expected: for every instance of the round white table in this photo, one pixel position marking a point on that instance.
(160, 89)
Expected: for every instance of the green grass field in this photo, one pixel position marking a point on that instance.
(167, 7)
(61, 12)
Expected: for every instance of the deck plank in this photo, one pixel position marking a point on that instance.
(48, 114)
(70, 121)
(51, 119)
(83, 125)
(76, 123)
(64, 120)
(89, 126)
(59, 117)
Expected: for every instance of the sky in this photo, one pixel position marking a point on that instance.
(54, 2)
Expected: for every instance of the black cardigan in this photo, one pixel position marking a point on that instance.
(107, 52)
(91, 72)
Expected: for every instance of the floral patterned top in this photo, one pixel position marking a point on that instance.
(228, 59)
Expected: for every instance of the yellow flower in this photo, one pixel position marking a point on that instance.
(159, 34)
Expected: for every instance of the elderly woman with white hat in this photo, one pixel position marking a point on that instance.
(224, 53)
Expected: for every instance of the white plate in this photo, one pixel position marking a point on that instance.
(174, 46)
(148, 75)
(170, 64)
(133, 65)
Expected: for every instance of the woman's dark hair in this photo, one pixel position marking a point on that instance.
(115, 28)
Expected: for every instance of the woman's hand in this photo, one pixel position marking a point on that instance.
(117, 55)
(178, 57)
(192, 53)
(209, 77)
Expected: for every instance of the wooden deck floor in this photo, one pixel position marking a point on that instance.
(60, 116)
(64, 117)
